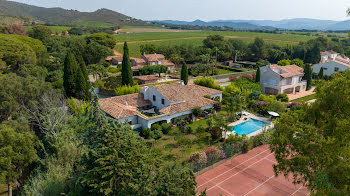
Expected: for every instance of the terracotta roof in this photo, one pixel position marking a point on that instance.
(118, 58)
(154, 57)
(123, 106)
(168, 63)
(176, 92)
(289, 70)
(137, 67)
(139, 60)
(146, 78)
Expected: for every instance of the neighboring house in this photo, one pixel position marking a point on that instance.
(331, 62)
(277, 79)
(148, 79)
(115, 60)
(151, 59)
(159, 103)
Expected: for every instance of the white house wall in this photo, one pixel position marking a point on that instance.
(148, 95)
(330, 68)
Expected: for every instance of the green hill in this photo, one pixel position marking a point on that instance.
(63, 16)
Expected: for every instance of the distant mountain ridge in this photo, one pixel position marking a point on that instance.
(287, 24)
(63, 16)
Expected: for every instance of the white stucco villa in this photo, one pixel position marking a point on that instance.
(277, 79)
(331, 62)
(159, 103)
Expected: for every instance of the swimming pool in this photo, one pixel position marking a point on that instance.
(249, 127)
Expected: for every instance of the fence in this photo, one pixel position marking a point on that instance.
(203, 161)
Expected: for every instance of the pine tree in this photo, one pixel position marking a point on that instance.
(320, 74)
(308, 76)
(69, 77)
(126, 68)
(257, 76)
(184, 73)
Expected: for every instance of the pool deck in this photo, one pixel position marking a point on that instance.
(253, 116)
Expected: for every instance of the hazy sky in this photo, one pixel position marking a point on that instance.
(210, 9)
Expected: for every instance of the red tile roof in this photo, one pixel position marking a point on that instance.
(154, 57)
(146, 78)
(168, 63)
(289, 70)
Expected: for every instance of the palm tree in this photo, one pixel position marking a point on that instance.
(213, 65)
(216, 50)
(206, 59)
(177, 59)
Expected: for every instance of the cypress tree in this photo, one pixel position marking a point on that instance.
(257, 76)
(184, 73)
(320, 74)
(126, 68)
(83, 81)
(308, 76)
(69, 76)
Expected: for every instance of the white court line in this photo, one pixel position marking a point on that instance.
(234, 167)
(297, 190)
(225, 190)
(240, 171)
(260, 185)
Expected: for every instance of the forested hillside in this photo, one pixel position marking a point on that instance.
(63, 16)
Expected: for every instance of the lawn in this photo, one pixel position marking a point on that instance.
(141, 27)
(305, 99)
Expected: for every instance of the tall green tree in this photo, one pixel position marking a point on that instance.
(184, 73)
(17, 151)
(257, 75)
(71, 70)
(320, 74)
(258, 49)
(83, 82)
(308, 76)
(126, 68)
(40, 32)
(312, 144)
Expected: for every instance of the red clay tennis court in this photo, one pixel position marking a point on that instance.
(248, 174)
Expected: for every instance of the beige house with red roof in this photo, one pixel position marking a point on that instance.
(277, 79)
(331, 62)
(159, 103)
(151, 59)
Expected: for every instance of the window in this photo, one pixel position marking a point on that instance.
(324, 68)
(336, 69)
(163, 101)
(154, 98)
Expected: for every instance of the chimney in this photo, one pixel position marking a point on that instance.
(126, 103)
(182, 83)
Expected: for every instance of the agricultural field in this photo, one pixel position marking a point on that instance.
(134, 47)
(54, 29)
(94, 24)
(197, 34)
(147, 29)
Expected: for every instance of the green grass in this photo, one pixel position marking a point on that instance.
(305, 99)
(54, 29)
(94, 24)
(173, 35)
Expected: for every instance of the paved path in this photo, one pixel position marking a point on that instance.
(301, 94)
(248, 174)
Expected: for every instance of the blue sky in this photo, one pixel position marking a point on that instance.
(210, 9)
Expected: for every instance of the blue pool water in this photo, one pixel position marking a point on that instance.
(249, 127)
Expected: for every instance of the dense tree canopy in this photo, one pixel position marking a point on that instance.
(313, 143)
(103, 39)
(126, 67)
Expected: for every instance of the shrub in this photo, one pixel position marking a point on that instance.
(166, 128)
(156, 127)
(199, 159)
(214, 154)
(255, 95)
(215, 133)
(247, 145)
(146, 133)
(125, 90)
(293, 105)
(282, 97)
(112, 70)
(207, 82)
(258, 140)
(277, 106)
(156, 134)
(217, 107)
(197, 111)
